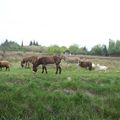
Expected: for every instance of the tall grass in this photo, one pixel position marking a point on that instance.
(76, 94)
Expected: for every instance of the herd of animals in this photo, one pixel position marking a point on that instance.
(44, 61)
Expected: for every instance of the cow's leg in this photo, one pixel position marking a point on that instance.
(9, 68)
(6, 68)
(42, 68)
(45, 69)
(28, 64)
(56, 69)
(90, 67)
(25, 64)
(59, 69)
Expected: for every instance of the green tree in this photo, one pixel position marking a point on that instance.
(54, 49)
(31, 43)
(112, 47)
(96, 50)
(22, 44)
(36, 43)
(9, 46)
(83, 50)
(104, 50)
(63, 49)
(74, 49)
(117, 48)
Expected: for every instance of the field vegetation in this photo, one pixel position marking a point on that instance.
(76, 94)
(113, 48)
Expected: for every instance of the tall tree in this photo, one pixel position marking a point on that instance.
(118, 48)
(83, 50)
(33, 42)
(30, 43)
(36, 43)
(104, 50)
(22, 44)
(74, 49)
(112, 47)
(96, 50)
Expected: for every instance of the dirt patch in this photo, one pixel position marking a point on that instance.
(69, 91)
(88, 93)
(17, 82)
(65, 91)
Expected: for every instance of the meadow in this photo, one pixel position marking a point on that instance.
(76, 94)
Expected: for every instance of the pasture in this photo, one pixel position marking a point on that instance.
(75, 94)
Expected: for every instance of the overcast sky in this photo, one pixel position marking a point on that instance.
(61, 22)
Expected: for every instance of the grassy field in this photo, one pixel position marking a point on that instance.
(76, 94)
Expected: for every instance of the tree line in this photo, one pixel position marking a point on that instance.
(113, 48)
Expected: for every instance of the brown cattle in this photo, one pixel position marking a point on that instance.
(85, 64)
(4, 64)
(28, 60)
(48, 60)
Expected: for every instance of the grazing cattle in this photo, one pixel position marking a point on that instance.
(85, 64)
(5, 64)
(48, 60)
(101, 67)
(28, 60)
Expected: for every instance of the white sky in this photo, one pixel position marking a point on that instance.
(61, 22)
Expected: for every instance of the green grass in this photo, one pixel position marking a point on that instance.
(76, 94)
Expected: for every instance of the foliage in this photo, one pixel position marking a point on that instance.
(83, 51)
(22, 44)
(74, 49)
(99, 50)
(113, 49)
(54, 49)
(104, 50)
(33, 43)
(9, 45)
